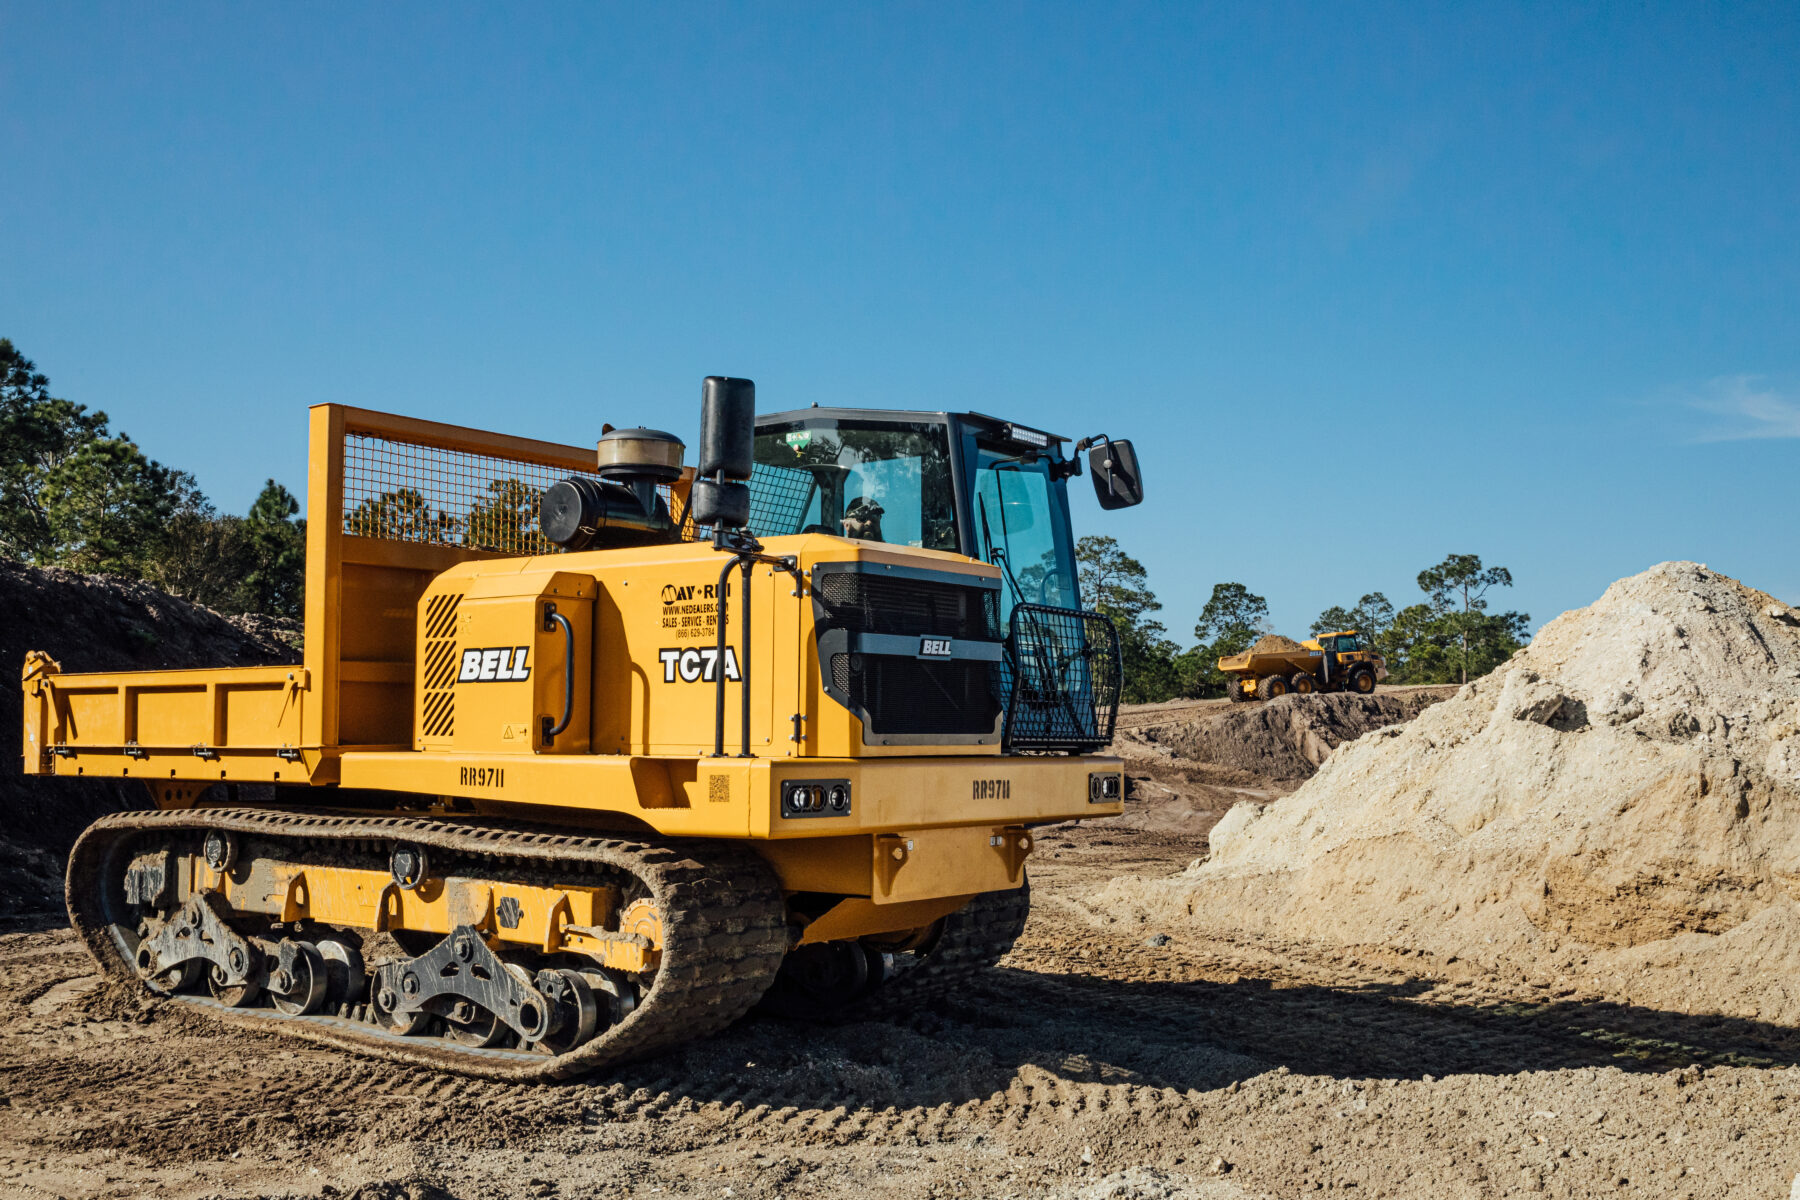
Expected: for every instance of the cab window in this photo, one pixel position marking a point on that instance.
(1016, 527)
(881, 481)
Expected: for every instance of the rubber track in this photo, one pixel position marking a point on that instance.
(724, 926)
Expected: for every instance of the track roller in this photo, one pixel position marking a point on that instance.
(299, 979)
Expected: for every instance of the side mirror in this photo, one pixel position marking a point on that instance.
(727, 451)
(723, 505)
(1114, 466)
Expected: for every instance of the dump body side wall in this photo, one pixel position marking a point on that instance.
(230, 723)
(1271, 664)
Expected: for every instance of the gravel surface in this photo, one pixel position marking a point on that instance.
(1104, 1058)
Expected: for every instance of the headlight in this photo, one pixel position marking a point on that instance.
(815, 798)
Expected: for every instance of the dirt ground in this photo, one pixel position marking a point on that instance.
(1095, 1062)
(1104, 1059)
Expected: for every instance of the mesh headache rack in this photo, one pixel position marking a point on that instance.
(416, 488)
(1061, 678)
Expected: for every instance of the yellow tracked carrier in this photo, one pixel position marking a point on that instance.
(591, 752)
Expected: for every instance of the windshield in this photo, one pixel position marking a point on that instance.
(1017, 529)
(881, 481)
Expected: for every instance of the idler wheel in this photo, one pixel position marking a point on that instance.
(219, 849)
(818, 979)
(386, 1010)
(614, 992)
(534, 1023)
(409, 865)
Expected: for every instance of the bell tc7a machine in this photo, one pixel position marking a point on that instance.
(591, 753)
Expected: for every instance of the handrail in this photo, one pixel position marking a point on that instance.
(552, 619)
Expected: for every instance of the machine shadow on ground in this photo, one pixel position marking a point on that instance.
(1197, 1036)
(1391, 1030)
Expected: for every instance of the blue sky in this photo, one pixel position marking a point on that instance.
(1367, 287)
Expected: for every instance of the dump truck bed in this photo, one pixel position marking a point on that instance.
(242, 724)
(1281, 663)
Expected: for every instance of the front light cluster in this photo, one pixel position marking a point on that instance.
(815, 798)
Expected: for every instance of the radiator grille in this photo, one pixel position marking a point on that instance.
(437, 701)
(911, 696)
(900, 694)
(872, 602)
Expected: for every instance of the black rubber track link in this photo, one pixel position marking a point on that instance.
(973, 938)
(724, 925)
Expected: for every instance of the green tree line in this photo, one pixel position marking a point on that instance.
(1449, 636)
(73, 493)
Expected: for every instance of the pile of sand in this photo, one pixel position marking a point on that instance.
(1274, 643)
(1617, 808)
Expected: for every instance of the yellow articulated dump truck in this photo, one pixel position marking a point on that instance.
(592, 752)
(1332, 662)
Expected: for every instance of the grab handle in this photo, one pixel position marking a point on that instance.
(552, 619)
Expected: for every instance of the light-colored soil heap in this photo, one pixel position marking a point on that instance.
(1616, 810)
(1274, 643)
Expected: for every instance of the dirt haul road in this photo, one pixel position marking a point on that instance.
(1100, 1060)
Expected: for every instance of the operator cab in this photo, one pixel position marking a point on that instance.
(965, 483)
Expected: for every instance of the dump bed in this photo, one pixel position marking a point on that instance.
(242, 722)
(1283, 662)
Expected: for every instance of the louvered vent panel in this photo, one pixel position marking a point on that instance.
(437, 701)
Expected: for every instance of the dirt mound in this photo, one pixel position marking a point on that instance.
(1290, 736)
(1274, 643)
(97, 623)
(1618, 806)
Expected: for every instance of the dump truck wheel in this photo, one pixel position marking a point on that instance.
(1362, 681)
(1302, 684)
(1234, 689)
(1271, 686)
